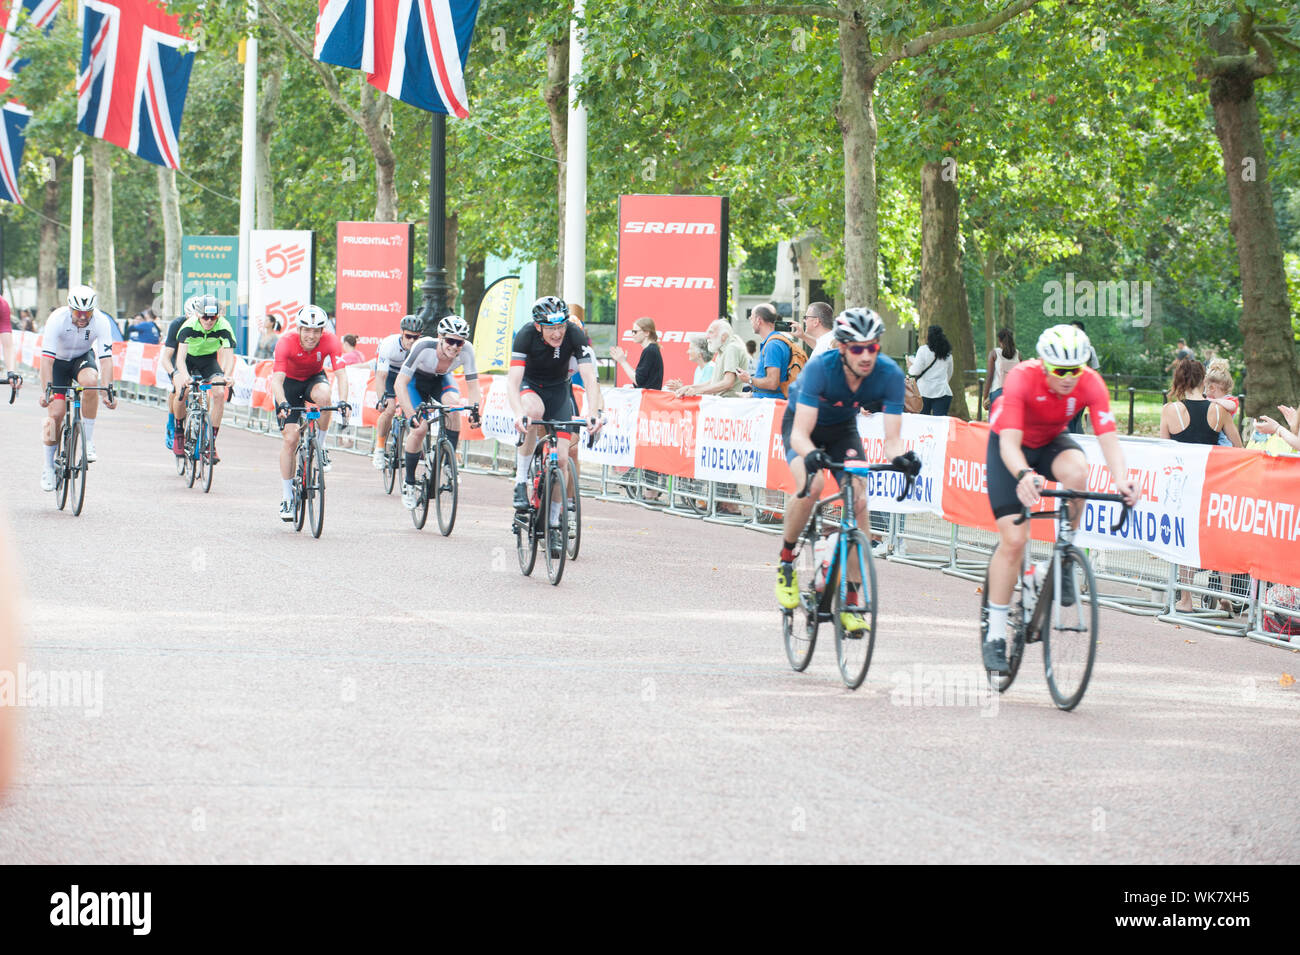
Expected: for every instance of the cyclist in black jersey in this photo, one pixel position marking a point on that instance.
(537, 386)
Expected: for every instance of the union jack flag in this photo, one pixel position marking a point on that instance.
(13, 115)
(40, 15)
(413, 50)
(13, 119)
(135, 72)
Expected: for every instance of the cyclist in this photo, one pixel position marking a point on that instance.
(427, 376)
(575, 378)
(537, 385)
(820, 426)
(72, 337)
(7, 353)
(167, 364)
(389, 359)
(298, 376)
(1027, 438)
(205, 347)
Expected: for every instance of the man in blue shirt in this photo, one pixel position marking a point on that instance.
(145, 329)
(820, 426)
(773, 355)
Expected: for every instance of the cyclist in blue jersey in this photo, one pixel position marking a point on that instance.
(820, 426)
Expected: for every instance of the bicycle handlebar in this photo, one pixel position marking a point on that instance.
(575, 424)
(14, 381)
(1066, 494)
(853, 466)
(428, 407)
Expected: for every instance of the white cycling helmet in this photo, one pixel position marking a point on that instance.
(193, 307)
(1064, 346)
(312, 316)
(454, 326)
(857, 325)
(82, 298)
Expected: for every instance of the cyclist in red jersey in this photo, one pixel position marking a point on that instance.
(1027, 442)
(298, 376)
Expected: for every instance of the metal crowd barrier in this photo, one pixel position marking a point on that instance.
(1131, 581)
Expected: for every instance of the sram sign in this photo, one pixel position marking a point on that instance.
(670, 228)
(672, 256)
(667, 281)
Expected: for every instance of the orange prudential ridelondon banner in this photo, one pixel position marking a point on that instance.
(1250, 515)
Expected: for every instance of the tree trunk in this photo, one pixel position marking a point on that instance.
(377, 115)
(47, 268)
(102, 217)
(548, 276)
(991, 325)
(1009, 313)
(943, 290)
(272, 73)
(471, 293)
(857, 121)
(556, 95)
(450, 233)
(1272, 376)
(173, 293)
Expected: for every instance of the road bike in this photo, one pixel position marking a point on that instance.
(196, 463)
(309, 469)
(548, 517)
(437, 476)
(393, 451)
(1056, 605)
(824, 589)
(70, 464)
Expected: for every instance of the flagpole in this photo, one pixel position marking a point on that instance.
(75, 239)
(434, 305)
(575, 184)
(247, 187)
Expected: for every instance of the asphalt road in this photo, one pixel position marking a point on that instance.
(389, 695)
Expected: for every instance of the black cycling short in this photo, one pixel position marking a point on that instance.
(298, 392)
(65, 372)
(1002, 483)
(390, 383)
(841, 441)
(557, 399)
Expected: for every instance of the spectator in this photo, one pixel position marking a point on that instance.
(1001, 360)
(773, 355)
(818, 318)
(1218, 388)
(28, 318)
(649, 371)
(1192, 419)
(1284, 435)
(353, 354)
(1181, 354)
(751, 346)
(145, 329)
(729, 360)
(697, 351)
(1076, 423)
(270, 335)
(932, 369)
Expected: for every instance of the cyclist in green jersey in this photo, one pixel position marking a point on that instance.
(205, 347)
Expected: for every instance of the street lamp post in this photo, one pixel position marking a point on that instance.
(434, 304)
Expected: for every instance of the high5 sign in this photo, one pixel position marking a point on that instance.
(282, 274)
(672, 263)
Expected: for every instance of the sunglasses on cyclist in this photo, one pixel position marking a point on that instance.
(1060, 372)
(870, 348)
(454, 342)
(410, 338)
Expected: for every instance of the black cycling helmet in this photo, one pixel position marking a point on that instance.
(550, 310)
(412, 323)
(858, 325)
(208, 307)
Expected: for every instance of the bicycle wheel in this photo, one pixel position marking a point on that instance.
(423, 481)
(446, 487)
(555, 516)
(526, 541)
(316, 493)
(62, 477)
(191, 442)
(1015, 637)
(1070, 632)
(853, 647)
(78, 467)
(300, 481)
(392, 458)
(799, 626)
(575, 515)
(206, 440)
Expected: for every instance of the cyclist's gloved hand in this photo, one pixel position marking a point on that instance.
(815, 460)
(908, 463)
(474, 419)
(282, 410)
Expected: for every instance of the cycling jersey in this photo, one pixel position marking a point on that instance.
(423, 360)
(198, 342)
(300, 364)
(823, 386)
(173, 330)
(390, 355)
(1027, 404)
(64, 341)
(544, 364)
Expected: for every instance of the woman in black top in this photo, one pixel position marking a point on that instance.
(649, 371)
(1192, 418)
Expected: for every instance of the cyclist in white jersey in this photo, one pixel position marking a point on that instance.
(427, 376)
(74, 337)
(389, 358)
